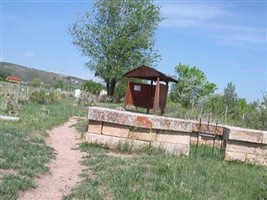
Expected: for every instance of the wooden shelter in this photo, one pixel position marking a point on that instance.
(149, 96)
(13, 79)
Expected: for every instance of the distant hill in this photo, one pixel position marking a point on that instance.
(27, 74)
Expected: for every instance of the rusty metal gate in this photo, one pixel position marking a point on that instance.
(209, 137)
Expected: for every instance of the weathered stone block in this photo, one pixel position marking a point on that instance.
(115, 130)
(250, 158)
(193, 139)
(138, 119)
(232, 156)
(247, 135)
(111, 141)
(261, 150)
(264, 139)
(261, 160)
(173, 137)
(94, 126)
(256, 159)
(241, 147)
(142, 134)
(177, 149)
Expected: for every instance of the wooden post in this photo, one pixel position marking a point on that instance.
(127, 93)
(157, 95)
(149, 97)
(225, 115)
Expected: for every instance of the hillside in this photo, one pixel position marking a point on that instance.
(27, 74)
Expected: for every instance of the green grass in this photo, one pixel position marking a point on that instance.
(39, 118)
(81, 127)
(23, 148)
(153, 174)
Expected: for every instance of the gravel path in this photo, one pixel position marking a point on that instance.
(64, 170)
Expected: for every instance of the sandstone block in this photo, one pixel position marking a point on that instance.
(142, 134)
(247, 135)
(255, 159)
(173, 137)
(250, 158)
(241, 147)
(232, 156)
(138, 119)
(261, 150)
(264, 139)
(193, 139)
(177, 149)
(111, 141)
(261, 160)
(94, 126)
(115, 130)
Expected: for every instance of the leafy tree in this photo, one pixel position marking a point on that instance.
(36, 82)
(58, 84)
(92, 87)
(191, 87)
(263, 112)
(230, 96)
(215, 105)
(3, 74)
(118, 36)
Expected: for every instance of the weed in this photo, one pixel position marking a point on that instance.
(81, 127)
(165, 176)
(22, 145)
(124, 147)
(11, 184)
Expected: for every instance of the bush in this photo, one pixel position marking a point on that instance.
(43, 97)
(92, 87)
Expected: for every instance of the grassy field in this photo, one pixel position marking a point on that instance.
(23, 151)
(126, 173)
(150, 173)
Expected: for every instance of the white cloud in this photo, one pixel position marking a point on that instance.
(29, 54)
(186, 15)
(213, 21)
(256, 70)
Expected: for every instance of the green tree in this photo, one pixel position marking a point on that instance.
(215, 105)
(230, 96)
(92, 87)
(191, 87)
(3, 74)
(118, 36)
(36, 82)
(262, 107)
(58, 84)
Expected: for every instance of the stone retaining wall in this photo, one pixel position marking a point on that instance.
(246, 145)
(111, 127)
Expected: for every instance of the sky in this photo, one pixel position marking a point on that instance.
(225, 39)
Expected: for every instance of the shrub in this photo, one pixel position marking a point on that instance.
(92, 87)
(43, 97)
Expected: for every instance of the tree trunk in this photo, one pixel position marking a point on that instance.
(111, 84)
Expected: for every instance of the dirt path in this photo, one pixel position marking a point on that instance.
(64, 170)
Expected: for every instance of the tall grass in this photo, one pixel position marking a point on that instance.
(164, 176)
(23, 148)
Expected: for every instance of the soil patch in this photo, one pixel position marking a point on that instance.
(65, 170)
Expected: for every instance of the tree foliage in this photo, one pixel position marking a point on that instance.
(118, 36)
(191, 87)
(3, 74)
(36, 82)
(58, 84)
(92, 87)
(230, 96)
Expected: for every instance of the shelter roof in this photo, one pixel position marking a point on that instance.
(13, 78)
(148, 73)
